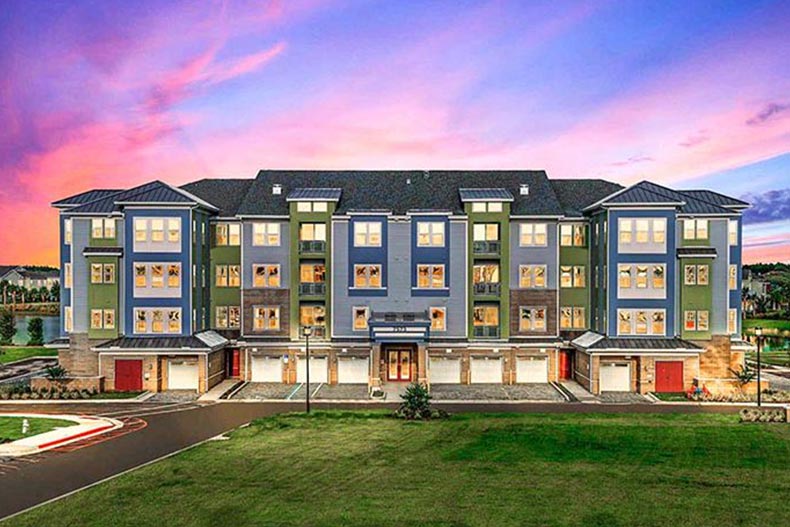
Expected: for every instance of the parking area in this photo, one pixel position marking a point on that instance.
(174, 396)
(265, 391)
(495, 392)
(342, 392)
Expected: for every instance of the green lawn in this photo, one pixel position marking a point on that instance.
(364, 469)
(15, 353)
(11, 427)
(778, 358)
(766, 323)
(116, 395)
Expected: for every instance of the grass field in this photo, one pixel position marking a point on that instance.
(365, 469)
(778, 358)
(15, 353)
(11, 427)
(766, 323)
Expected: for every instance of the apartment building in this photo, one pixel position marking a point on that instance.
(458, 277)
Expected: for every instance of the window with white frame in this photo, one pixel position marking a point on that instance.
(696, 274)
(487, 206)
(103, 228)
(572, 318)
(367, 276)
(157, 279)
(103, 273)
(641, 322)
(532, 276)
(102, 319)
(430, 276)
(157, 234)
(646, 277)
(266, 234)
(227, 234)
(367, 234)
(312, 315)
(695, 229)
(696, 320)
(732, 232)
(265, 275)
(67, 278)
(68, 322)
(732, 321)
(312, 206)
(228, 317)
(430, 234)
(532, 318)
(157, 320)
(265, 318)
(487, 273)
(312, 232)
(573, 235)
(641, 234)
(572, 276)
(732, 277)
(67, 231)
(227, 276)
(359, 315)
(485, 232)
(533, 235)
(438, 318)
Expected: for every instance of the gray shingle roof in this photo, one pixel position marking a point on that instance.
(85, 197)
(400, 191)
(577, 194)
(326, 194)
(225, 194)
(481, 194)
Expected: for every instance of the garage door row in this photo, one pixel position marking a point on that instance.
(487, 370)
(350, 370)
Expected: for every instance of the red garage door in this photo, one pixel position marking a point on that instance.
(669, 376)
(128, 375)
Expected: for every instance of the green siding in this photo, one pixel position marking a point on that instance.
(695, 298)
(103, 296)
(222, 296)
(576, 296)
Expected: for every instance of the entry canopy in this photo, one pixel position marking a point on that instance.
(399, 326)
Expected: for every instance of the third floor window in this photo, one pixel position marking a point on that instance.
(532, 234)
(266, 234)
(228, 234)
(430, 276)
(573, 235)
(430, 234)
(572, 276)
(265, 275)
(695, 229)
(367, 276)
(485, 232)
(367, 234)
(312, 232)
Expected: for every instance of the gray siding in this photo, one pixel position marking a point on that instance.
(399, 296)
(718, 276)
(547, 255)
(81, 229)
(252, 254)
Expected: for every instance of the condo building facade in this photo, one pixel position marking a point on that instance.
(438, 277)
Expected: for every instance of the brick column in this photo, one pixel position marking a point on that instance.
(422, 355)
(375, 365)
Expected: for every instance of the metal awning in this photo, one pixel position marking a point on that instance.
(399, 326)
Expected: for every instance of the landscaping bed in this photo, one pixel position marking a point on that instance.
(366, 468)
(11, 427)
(24, 392)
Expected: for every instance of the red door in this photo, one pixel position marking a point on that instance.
(235, 365)
(565, 365)
(669, 376)
(128, 375)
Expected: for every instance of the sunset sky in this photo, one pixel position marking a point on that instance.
(109, 94)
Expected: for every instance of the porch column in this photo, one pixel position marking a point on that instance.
(375, 365)
(422, 359)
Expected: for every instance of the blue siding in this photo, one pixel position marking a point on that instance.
(668, 258)
(430, 255)
(65, 257)
(736, 258)
(368, 255)
(183, 257)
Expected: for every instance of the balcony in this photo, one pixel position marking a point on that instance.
(312, 289)
(312, 246)
(490, 332)
(487, 288)
(318, 331)
(486, 247)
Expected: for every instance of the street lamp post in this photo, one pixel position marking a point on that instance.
(759, 332)
(306, 332)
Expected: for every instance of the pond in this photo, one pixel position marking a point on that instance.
(51, 328)
(772, 342)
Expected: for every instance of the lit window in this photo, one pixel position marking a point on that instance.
(109, 319)
(579, 319)
(312, 232)
(695, 229)
(174, 230)
(641, 276)
(320, 206)
(360, 315)
(67, 231)
(566, 276)
(732, 278)
(430, 234)
(732, 321)
(96, 318)
(438, 318)
(67, 275)
(566, 318)
(97, 228)
(234, 317)
(624, 322)
(658, 277)
(157, 230)
(659, 230)
(532, 234)
(658, 323)
(174, 321)
(566, 235)
(642, 231)
(68, 323)
(174, 275)
(690, 275)
(367, 234)
(157, 321)
(485, 274)
(579, 276)
(495, 207)
(532, 319)
(485, 232)
(304, 206)
(485, 316)
(221, 276)
(266, 234)
(626, 233)
(478, 207)
(157, 275)
(312, 273)
(690, 318)
(221, 231)
(641, 323)
(266, 275)
(140, 230)
(732, 230)
(140, 321)
(234, 276)
(312, 315)
(702, 274)
(96, 273)
(367, 276)
(624, 276)
(222, 317)
(532, 276)
(139, 275)
(430, 276)
(266, 318)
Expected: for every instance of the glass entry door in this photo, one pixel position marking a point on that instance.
(399, 365)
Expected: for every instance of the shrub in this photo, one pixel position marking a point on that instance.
(35, 328)
(416, 404)
(55, 373)
(763, 415)
(7, 328)
(745, 374)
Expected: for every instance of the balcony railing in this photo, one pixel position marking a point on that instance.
(489, 247)
(312, 288)
(487, 288)
(312, 246)
(486, 331)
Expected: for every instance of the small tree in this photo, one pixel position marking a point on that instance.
(35, 329)
(416, 404)
(54, 292)
(7, 328)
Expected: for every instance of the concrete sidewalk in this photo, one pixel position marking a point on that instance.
(83, 428)
(218, 391)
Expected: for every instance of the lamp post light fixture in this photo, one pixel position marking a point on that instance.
(759, 332)
(306, 332)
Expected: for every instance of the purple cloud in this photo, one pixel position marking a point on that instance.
(695, 139)
(773, 205)
(769, 112)
(632, 161)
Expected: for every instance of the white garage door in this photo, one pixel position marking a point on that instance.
(266, 369)
(532, 369)
(352, 370)
(615, 377)
(182, 375)
(486, 370)
(318, 370)
(444, 371)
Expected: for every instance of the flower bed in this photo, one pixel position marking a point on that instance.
(769, 396)
(22, 392)
(763, 415)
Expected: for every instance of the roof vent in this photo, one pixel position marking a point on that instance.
(277, 189)
(408, 181)
(524, 189)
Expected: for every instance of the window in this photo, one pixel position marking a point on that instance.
(174, 321)
(228, 317)
(430, 276)
(140, 230)
(637, 234)
(486, 316)
(266, 234)
(690, 274)
(572, 318)
(658, 323)
(485, 232)
(695, 229)
(624, 279)
(641, 323)
(157, 230)
(96, 319)
(68, 322)
(67, 275)
(367, 234)
(103, 273)
(140, 275)
(367, 276)
(67, 231)
(438, 318)
(360, 318)
(163, 233)
(623, 322)
(102, 228)
(696, 320)
(173, 230)
(482, 206)
(626, 232)
(228, 234)
(702, 321)
(485, 274)
(157, 275)
(430, 234)
(532, 319)
(265, 275)
(659, 231)
(572, 235)
(732, 321)
(531, 276)
(102, 319)
(732, 277)
(732, 232)
(265, 318)
(641, 276)
(174, 275)
(312, 315)
(311, 232)
(702, 274)
(532, 234)
(312, 206)
(566, 317)
(579, 318)
(154, 320)
(312, 273)
(572, 276)
(227, 276)
(658, 277)
(222, 317)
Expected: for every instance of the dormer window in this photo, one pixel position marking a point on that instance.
(312, 206)
(487, 206)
